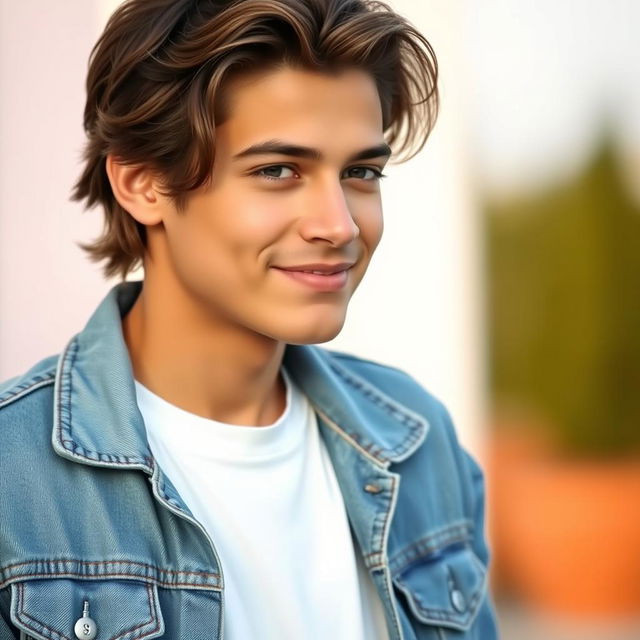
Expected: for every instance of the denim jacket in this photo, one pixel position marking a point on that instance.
(87, 516)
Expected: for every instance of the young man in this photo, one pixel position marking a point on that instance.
(191, 466)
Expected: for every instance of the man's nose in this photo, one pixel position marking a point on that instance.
(329, 216)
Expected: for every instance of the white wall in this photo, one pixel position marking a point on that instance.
(419, 307)
(545, 74)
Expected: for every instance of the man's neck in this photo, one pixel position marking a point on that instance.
(211, 369)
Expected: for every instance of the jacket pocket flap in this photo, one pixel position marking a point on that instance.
(446, 589)
(121, 609)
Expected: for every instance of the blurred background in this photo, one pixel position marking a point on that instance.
(507, 281)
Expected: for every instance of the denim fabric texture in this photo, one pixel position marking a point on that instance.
(86, 515)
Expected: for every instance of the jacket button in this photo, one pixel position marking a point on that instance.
(85, 628)
(372, 488)
(458, 601)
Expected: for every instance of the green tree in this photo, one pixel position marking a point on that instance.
(564, 307)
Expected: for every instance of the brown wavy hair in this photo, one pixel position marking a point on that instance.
(157, 73)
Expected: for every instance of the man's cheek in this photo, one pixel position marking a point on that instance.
(374, 231)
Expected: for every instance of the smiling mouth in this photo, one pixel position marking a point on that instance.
(318, 280)
(321, 268)
(320, 273)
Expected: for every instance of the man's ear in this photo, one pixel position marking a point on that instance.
(136, 190)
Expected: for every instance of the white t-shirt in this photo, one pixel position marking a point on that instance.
(269, 499)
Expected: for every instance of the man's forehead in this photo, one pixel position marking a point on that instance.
(299, 113)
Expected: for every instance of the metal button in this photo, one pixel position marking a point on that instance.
(85, 628)
(458, 601)
(372, 488)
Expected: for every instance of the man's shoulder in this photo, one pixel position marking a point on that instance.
(20, 391)
(388, 380)
(26, 422)
(441, 455)
(394, 386)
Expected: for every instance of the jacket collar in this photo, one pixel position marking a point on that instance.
(97, 420)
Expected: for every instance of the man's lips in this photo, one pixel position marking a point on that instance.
(321, 268)
(319, 276)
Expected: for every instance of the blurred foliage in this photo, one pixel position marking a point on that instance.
(564, 304)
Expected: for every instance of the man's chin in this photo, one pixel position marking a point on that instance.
(316, 339)
(307, 335)
(311, 325)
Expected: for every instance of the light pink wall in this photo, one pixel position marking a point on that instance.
(47, 287)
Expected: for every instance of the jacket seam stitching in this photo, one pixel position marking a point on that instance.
(68, 443)
(353, 440)
(15, 394)
(462, 528)
(74, 347)
(81, 576)
(394, 410)
(429, 551)
(384, 527)
(388, 583)
(112, 574)
(152, 619)
(135, 563)
(100, 456)
(443, 615)
(439, 614)
(466, 523)
(44, 627)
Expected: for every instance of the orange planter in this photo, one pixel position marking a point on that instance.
(566, 534)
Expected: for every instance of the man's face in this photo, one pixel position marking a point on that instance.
(239, 248)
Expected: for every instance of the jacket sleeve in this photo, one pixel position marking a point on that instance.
(478, 502)
(473, 478)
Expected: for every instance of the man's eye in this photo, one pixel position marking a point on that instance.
(274, 172)
(361, 173)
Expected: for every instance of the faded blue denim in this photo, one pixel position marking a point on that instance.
(87, 515)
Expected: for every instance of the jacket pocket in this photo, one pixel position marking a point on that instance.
(446, 589)
(49, 609)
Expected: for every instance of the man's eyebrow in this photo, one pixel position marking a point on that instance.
(382, 150)
(286, 149)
